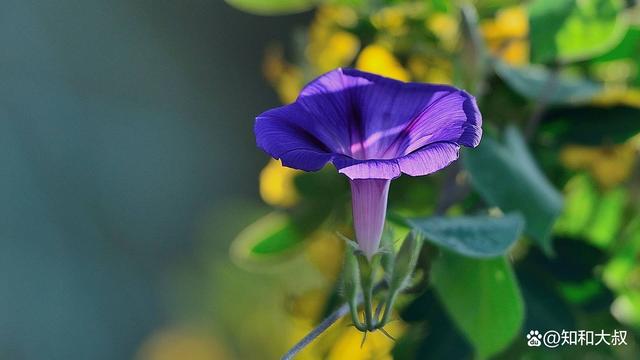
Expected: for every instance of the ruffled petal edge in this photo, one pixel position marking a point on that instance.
(424, 161)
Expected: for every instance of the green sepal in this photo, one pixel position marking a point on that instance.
(351, 282)
(404, 264)
(405, 261)
(387, 252)
(350, 276)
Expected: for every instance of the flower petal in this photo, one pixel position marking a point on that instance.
(396, 118)
(367, 116)
(278, 133)
(387, 108)
(454, 117)
(429, 159)
(367, 169)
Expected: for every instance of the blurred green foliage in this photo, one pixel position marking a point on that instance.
(537, 228)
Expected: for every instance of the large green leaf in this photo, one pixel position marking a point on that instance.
(533, 81)
(474, 236)
(482, 297)
(272, 7)
(507, 176)
(570, 30)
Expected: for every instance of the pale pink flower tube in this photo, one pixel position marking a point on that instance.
(369, 201)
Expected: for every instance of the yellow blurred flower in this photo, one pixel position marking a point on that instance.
(289, 85)
(376, 347)
(277, 186)
(391, 20)
(609, 165)
(445, 27)
(615, 72)
(308, 305)
(378, 59)
(182, 343)
(506, 35)
(330, 46)
(615, 75)
(273, 65)
(432, 70)
(287, 79)
(618, 95)
(325, 251)
(343, 16)
(334, 50)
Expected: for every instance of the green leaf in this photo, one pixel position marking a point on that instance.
(533, 81)
(508, 177)
(272, 7)
(482, 297)
(474, 236)
(569, 30)
(267, 239)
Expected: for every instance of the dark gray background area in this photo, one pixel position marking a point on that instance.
(121, 123)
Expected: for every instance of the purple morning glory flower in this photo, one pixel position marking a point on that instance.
(372, 129)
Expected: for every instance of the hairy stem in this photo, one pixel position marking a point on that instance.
(368, 305)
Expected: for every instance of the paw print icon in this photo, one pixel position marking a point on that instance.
(533, 338)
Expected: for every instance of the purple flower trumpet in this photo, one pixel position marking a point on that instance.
(372, 129)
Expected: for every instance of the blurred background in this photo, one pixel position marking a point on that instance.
(138, 220)
(126, 145)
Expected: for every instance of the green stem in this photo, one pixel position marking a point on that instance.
(368, 270)
(367, 292)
